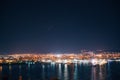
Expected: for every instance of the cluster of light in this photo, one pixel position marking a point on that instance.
(98, 62)
(59, 61)
(58, 55)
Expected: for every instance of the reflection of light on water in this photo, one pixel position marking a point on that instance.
(52, 64)
(20, 77)
(109, 71)
(102, 72)
(48, 66)
(0, 72)
(0, 68)
(10, 67)
(65, 72)
(29, 78)
(43, 66)
(10, 71)
(19, 69)
(99, 72)
(93, 73)
(43, 72)
(59, 71)
(52, 68)
(75, 72)
(28, 65)
(29, 72)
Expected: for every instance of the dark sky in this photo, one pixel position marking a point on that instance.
(59, 25)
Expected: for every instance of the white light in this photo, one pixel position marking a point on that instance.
(65, 61)
(58, 55)
(59, 61)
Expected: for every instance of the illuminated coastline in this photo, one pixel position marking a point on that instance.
(86, 57)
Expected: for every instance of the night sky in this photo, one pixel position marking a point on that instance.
(59, 26)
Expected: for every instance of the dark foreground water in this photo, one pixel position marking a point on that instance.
(110, 71)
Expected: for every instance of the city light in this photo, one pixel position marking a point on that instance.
(96, 59)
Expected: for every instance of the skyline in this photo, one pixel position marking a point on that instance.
(59, 26)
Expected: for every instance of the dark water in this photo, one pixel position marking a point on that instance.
(110, 71)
